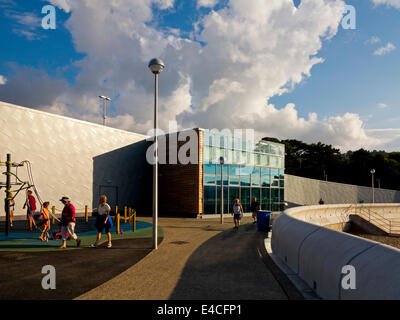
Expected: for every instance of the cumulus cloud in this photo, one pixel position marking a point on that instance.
(3, 80)
(385, 50)
(382, 105)
(389, 3)
(221, 77)
(206, 3)
(373, 40)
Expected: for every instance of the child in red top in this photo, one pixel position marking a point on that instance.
(31, 204)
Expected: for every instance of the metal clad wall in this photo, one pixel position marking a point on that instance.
(71, 157)
(306, 191)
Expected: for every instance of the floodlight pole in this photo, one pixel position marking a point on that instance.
(373, 185)
(155, 166)
(8, 193)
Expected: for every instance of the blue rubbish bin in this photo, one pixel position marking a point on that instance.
(263, 217)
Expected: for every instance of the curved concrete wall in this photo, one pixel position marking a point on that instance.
(317, 254)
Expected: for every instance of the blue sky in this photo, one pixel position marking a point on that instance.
(352, 79)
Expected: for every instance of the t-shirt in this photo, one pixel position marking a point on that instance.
(255, 206)
(103, 209)
(68, 213)
(32, 203)
(237, 209)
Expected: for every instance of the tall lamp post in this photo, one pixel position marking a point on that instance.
(105, 99)
(156, 66)
(373, 187)
(221, 162)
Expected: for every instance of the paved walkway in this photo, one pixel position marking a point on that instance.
(198, 259)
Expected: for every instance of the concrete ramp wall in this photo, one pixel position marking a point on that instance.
(317, 254)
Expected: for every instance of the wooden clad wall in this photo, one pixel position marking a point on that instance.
(179, 184)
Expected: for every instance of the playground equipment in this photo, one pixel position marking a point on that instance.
(23, 185)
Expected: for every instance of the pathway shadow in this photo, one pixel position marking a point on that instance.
(228, 267)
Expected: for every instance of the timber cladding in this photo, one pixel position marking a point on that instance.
(180, 184)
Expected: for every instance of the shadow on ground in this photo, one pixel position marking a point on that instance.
(229, 266)
(77, 271)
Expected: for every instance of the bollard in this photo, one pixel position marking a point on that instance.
(134, 220)
(86, 214)
(118, 223)
(125, 212)
(53, 210)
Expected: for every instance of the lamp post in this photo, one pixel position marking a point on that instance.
(221, 162)
(156, 66)
(105, 99)
(373, 189)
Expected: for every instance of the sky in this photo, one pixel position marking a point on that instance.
(285, 68)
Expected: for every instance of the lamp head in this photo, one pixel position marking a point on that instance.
(156, 66)
(372, 171)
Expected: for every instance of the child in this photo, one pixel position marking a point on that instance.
(45, 215)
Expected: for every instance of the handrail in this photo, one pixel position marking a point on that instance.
(377, 219)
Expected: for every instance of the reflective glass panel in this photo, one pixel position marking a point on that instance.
(209, 199)
(209, 168)
(209, 179)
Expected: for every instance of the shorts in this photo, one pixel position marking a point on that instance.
(254, 215)
(237, 217)
(100, 225)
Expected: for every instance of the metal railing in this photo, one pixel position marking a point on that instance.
(391, 227)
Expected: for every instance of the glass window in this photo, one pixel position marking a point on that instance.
(234, 170)
(282, 174)
(209, 179)
(245, 181)
(255, 193)
(209, 168)
(257, 158)
(255, 172)
(225, 169)
(274, 161)
(255, 181)
(234, 181)
(265, 199)
(265, 177)
(226, 200)
(245, 198)
(209, 199)
(282, 183)
(274, 174)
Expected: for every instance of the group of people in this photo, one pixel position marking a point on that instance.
(238, 212)
(68, 220)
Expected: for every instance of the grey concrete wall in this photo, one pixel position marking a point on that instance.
(74, 158)
(306, 191)
(317, 254)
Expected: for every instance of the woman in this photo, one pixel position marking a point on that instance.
(237, 213)
(45, 215)
(103, 221)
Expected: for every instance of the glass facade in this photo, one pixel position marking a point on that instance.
(250, 170)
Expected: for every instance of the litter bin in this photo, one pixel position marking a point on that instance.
(263, 217)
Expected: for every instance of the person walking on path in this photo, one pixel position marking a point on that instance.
(255, 205)
(103, 221)
(45, 215)
(68, 223)
(237, 213)
(30, 203)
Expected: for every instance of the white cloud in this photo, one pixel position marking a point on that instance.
(382, 105)
(385, 50)
(206, 3)
(373, 40)
(250, 52)
(389, 3)
(3, 80)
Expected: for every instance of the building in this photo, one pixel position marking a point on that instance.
(250, 170)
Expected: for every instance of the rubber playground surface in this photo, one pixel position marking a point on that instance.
(78, 270)
(22, 240)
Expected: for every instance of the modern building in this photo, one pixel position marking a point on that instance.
(250, 170)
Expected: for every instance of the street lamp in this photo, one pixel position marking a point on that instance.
(156, 66)
(105, 99)
(221, 162)
(373, 189)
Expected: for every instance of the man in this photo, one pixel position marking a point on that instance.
(30, 213)
(255, 205)
(68, 223)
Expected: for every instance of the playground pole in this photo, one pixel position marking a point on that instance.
(8, 192)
